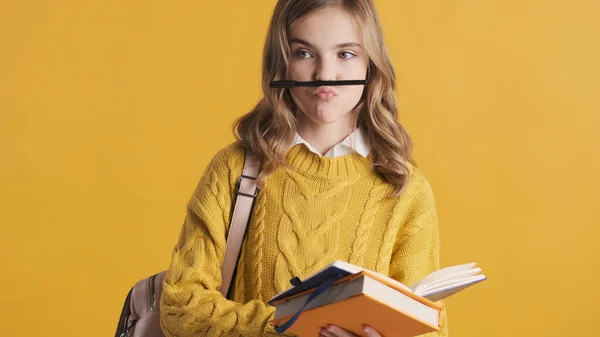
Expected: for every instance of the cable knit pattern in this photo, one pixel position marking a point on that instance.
(219, 193)
(311, 219)
(320, 210)
(257, 239)
(387, 243)
(366, 222)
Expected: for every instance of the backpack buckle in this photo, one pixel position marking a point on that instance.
(239, 187)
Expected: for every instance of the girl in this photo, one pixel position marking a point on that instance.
(337, 181)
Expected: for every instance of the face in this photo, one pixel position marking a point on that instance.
(326, 45)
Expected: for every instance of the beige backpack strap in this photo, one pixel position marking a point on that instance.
(246, 191)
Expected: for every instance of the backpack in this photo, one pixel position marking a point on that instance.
(140, 316)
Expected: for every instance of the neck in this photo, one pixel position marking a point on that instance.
(324, 136)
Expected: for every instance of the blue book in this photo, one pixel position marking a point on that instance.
(334, 271)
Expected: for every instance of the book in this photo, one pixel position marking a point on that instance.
(349, 296)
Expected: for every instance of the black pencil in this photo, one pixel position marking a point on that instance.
(293, 84)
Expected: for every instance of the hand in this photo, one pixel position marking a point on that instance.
(335, 331)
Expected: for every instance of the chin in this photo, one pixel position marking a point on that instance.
(326, 116)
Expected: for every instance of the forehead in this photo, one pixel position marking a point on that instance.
(325, 27)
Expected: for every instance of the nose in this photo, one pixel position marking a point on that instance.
(326, 70)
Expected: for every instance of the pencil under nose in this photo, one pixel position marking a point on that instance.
(293, 84)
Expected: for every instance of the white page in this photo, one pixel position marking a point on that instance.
(443, 272)
(451, 285)
(455, 277)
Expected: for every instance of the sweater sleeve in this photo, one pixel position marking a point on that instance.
(417, 247)
(191, 304)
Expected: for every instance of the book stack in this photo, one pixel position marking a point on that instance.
(348, 296)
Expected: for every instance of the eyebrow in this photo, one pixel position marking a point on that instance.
(337, 46)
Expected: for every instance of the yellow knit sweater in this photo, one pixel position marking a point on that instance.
(322, 210)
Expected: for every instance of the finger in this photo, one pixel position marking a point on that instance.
(326, 333)
(370, 331)
(339, 332)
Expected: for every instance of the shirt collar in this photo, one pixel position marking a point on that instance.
(354, 142)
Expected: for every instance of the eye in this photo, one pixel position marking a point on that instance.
(346, 55)
(302, 54)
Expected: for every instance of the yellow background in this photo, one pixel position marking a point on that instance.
(110, 110)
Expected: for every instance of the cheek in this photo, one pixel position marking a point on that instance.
(300, 97)
(353, 95)
(300, 71)
(357, 71)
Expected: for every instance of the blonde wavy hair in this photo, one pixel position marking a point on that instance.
(268, 129)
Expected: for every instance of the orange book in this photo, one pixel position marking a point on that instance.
(354, 297)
